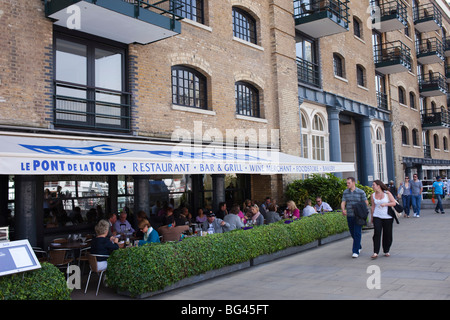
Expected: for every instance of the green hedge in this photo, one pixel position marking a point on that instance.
(329, 187)
(155, 266)
(46, 283)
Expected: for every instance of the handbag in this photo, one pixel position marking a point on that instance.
(398, 208)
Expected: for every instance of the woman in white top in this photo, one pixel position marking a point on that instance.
(380, 218)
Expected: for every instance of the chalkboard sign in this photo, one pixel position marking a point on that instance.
(17, 256)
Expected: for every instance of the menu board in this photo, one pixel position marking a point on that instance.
(17, 256)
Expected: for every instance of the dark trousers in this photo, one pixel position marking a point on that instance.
(355, 231)
(382, 230)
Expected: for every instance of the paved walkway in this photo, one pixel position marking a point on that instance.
(418, 268)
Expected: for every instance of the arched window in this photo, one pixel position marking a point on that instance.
(436, 141)
(339, 65)
(405, 139)
(412, 100)
(357, 30)
(247, 99)
(401, 95)
(415, 137)
(244, 26)
(318, 139)
(379, 155)
(361, 75)
(188, 87)
(445, 144)
(190, 9)
(305, 137)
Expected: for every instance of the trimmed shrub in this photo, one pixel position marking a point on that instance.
(330, 188)
(155, 266)
(47, 283)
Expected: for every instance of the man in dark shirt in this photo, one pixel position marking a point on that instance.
(352, 195)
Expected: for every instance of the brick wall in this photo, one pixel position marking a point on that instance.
(25, 64)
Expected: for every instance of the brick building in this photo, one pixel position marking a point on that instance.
(374, 74)
(99, 78)
(313, 79)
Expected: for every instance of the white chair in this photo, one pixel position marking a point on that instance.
(92, 258)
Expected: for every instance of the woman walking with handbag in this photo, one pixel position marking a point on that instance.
(380, 218)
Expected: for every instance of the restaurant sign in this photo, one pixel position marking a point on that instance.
(29, 155)
(17, 256)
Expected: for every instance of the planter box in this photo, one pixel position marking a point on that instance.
(283, 253)
(193, 280)
(334, 237)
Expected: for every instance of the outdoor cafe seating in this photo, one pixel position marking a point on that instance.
(92, 258)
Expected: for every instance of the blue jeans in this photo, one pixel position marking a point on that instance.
(439, 203)
(355, 231)
(406, 200)
(416, 201)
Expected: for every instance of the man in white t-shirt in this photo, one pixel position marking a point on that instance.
(322, 206)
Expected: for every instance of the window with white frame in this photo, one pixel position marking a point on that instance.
(305, 153)
(380, 155)
(318, 138)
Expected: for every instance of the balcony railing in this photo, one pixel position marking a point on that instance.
(126, 21)
(389, 15)
(432, 85)
(392, 57)
(430, 51)
(427, 17)
(427, 151)
(308, 72)
(436, 120)
(82, 106)
(446, 43)
(382, 100)
(320, 18)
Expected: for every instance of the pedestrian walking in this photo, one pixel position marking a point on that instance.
(381, 219)
(405, 193)
(416, 194)
(352, 196)
(438, 193)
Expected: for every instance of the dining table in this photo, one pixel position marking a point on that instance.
(75, 246)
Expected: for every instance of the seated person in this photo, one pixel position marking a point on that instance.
(150, 234)
(171, 232)
(233, 219)
(213, 224)
(122, 225)
(291, 211)
(168, 217)
(322, 206)
(102, 244)
(257, 218)
(308, 209)
(141, 216)
(272, 215)
(222, 212)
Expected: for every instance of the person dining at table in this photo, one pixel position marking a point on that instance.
(308, 209)
(322, 206)
(123, 225)
(102, 244)
(272, 216)
(256, 216)
(150, 234)
(213, 224)
(291, 212)
(172, 232)
(233, 219)
(112, 218)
